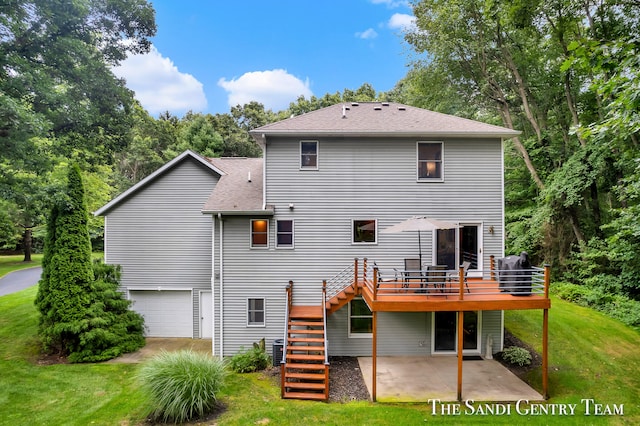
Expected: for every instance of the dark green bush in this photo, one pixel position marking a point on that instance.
(616, 306)
(254, 359)
(183, 385)
(517, 356)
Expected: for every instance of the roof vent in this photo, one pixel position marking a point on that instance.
(249, 177)
(377, 108)
(354, 104)
(401, 108)
(344, 111)
(385, 104)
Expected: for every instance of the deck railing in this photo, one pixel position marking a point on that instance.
(396, 282)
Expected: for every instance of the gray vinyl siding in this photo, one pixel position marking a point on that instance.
(160, 237)
(367, 179)
(376, 179)
(492, 324)
(399, 333)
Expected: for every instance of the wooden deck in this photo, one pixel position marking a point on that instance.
(478, 294)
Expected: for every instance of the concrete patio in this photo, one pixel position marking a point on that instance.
(420, 378)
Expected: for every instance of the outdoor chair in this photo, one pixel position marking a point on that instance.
(412, 271)
(436, 276)
(453, 277)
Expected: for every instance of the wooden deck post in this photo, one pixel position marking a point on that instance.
(364, 270)
(355, 272)
(374, 358)
(492, 267)
(460, 351)
(461, 281)
(545, 335)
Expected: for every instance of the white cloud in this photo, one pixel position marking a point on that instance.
(392, 3)
(275, 89)
(159, 85)
(402, 21)
(367, 34)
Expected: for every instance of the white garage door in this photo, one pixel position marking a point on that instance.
(166, 313)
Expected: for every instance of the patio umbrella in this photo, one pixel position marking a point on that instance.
(419, 223)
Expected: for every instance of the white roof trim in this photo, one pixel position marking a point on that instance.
(159, 172)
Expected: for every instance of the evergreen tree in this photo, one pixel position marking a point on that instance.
(83, 315)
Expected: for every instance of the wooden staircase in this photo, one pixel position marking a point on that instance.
(341, 299)
(305, 373)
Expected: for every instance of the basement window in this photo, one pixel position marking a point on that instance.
(255, 313)
(360, 319)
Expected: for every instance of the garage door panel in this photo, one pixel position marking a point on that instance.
(166, 313)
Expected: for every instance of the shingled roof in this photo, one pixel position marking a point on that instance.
(239, 190)
(381, 119)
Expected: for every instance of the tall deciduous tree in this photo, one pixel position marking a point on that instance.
(55, 82)
(515, 59)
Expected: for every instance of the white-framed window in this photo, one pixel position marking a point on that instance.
(360, 319)
(259, 233)
(430, 161)
(364, 231)
(308, 155)
(284, 233)
(256, 312)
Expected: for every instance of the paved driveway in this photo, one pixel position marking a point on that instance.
(19, 280)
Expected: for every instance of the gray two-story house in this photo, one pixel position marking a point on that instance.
(293, 246)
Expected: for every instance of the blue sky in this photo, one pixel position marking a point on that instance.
(210, 55)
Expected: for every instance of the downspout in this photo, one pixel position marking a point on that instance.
(221, 287)
(264, 174)
(213, 284)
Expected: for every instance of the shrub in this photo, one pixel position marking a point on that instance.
(254, 359)
(517, 355)
(182, 385)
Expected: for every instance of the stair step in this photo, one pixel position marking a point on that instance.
(305, 331)
(304, 357)
(304, 385)
(304, 376)
(303, 366)
(306, 312)
(304, 347)
(305, 395)
(306, 323)
(305, 339)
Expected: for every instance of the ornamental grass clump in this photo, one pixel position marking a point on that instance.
(182, 386)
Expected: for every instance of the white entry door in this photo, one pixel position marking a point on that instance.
(206, 315)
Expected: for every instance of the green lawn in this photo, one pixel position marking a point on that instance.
(592, 357)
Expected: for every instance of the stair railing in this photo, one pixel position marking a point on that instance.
(287, 308)
(324, 321)
(341, 280)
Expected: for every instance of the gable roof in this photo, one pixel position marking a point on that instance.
(380, 119)
(186, 155)
(240, 190)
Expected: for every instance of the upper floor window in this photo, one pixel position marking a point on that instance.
(259, 233)
(284, 234)
(364, 231)
(430, 164)
(309, 155)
